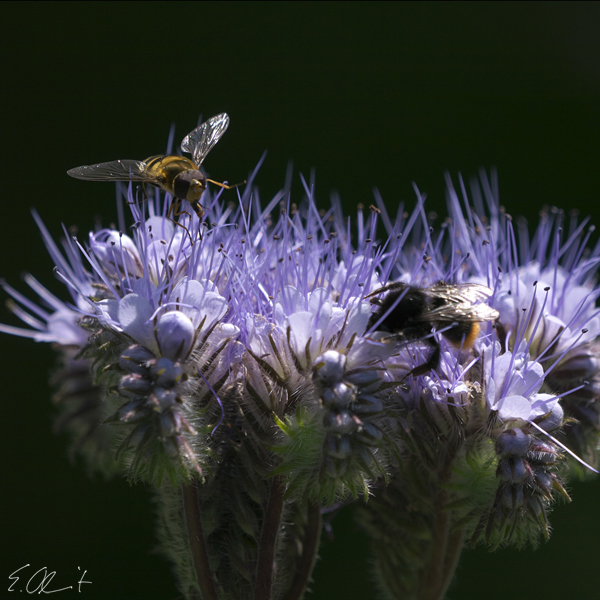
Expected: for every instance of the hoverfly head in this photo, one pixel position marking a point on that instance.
(189, 185)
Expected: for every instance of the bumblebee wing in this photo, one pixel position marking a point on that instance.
(463, 302)
(464, 311)
(201, 141)
(115, 170)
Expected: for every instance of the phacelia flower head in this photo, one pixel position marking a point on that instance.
(281, 360)
(545, 290)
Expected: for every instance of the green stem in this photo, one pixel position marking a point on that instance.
(191, 509)
(432, 575)
(310, 545)
(268, 540)
(447, 547)
(454, 548)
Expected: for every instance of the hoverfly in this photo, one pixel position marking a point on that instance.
(176, 175)
(412, 313)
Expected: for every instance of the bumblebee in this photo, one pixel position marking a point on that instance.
(176, 175)
(413, 313)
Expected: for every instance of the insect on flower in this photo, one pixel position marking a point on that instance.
(176, 175)
(413, 313)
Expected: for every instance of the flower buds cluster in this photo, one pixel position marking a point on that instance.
(256, 344)
(150, 385)
(352, 411)
(526, 469)
(580, 371)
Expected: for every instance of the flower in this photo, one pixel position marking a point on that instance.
(512, 382)
(240, 356)
(545, 289)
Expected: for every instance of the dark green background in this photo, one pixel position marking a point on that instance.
(368, 94)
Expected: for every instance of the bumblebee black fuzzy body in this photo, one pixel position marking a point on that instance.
(413, 313)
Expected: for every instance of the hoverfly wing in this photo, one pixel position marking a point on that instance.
(115, 170)
(201, 141)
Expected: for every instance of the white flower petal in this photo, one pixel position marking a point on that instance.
(109, 313)
(63, 328)
(512, 408)
(135, 313)
(175, 334)
(159, 228)
(198, 303)
(302, 329)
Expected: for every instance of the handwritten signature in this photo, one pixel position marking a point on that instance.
(39, 582)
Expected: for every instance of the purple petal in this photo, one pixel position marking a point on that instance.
(135, 315)
(175, 333)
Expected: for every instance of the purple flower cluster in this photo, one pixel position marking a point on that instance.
(254, 324)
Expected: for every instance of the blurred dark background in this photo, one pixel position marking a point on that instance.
(369, 95)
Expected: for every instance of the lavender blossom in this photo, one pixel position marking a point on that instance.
(231, 360)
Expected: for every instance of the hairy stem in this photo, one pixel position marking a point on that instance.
(453, 551)
(447, 547)
(191, 508)
(310, 545)
(432, 575)
(268, 540)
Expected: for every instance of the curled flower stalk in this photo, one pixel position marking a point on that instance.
(246, 362)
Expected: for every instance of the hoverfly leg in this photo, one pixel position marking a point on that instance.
(174, 210)
(198, 209)
(199, 213)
